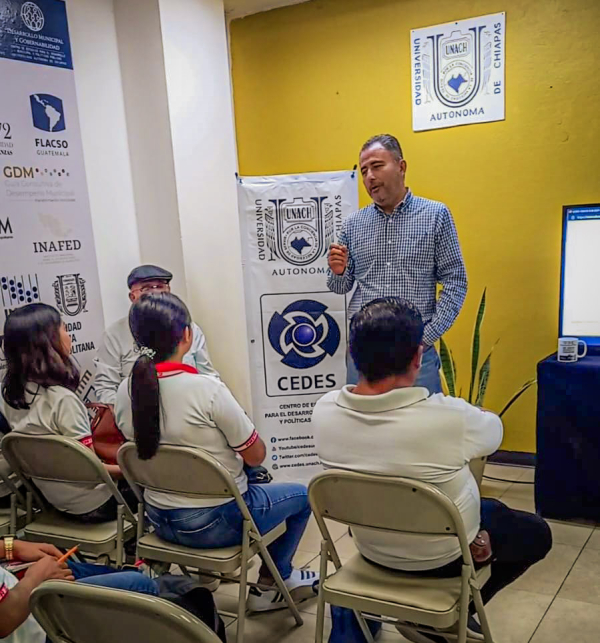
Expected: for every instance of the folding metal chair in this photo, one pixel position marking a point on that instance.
(59, 459)
(14, 515)
(394, 505)
(70, 612)
(196, 474)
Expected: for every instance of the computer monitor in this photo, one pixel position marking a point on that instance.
(580, 274)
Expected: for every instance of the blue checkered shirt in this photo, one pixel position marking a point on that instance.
(405, 254)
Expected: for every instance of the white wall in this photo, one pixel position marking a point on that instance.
(104, 134)
(157, 124)
(202, 130)
(149, 134)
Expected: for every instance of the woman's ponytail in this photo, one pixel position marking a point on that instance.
(145, 407)
(158, 324)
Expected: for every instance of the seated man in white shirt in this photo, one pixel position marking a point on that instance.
(117, 353)
(386, 425)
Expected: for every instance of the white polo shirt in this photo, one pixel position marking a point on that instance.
(57, 411)
(409, 434)
(197, 411)
(117, 354)
(29, 631)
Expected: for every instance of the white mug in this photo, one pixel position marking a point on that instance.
(568, 349)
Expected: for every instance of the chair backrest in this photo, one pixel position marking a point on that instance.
(9, 482)
(180, 470)
(86, 614)
(385, 503)
(57, 459)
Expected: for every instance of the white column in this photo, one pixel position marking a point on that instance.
(106, 153)
(149, 135)
(175, 67)
(202, 129)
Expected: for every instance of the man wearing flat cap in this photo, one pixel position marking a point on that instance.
(118, 353)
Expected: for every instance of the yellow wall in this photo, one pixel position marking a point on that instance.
(313, 81)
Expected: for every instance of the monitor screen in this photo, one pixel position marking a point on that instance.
(580, 278)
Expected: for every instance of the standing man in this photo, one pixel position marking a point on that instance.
(117, 353)
(401, 246)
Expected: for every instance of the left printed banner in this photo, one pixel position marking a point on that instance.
(47, 251)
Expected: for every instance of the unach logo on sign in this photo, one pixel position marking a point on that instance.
(460, 67)
(301, 230)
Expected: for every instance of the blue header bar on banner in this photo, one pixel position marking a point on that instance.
(35, 32)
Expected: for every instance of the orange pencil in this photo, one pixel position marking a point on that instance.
(68, 555)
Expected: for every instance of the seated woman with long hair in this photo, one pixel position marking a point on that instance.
(38, 398)
(168, 402)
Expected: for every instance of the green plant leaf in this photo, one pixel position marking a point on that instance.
(447, 367)
(484, 376)
(454, 368)
(516, 396)
(475, 345)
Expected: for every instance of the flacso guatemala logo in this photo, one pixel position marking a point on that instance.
(47, 112)
(32, 16)
(304, 334)
(301, 230)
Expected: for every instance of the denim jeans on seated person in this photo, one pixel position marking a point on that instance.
(209, 527)
(102, 576)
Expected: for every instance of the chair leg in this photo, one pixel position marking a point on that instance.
(279, 581)
(120, 536)
(364, 627)
(29, 506)
(320, 598)
(243, 584)
(13, 513)
(464, 604)
(483, 619)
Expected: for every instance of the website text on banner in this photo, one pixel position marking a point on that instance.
(47, 249)
(296, 328)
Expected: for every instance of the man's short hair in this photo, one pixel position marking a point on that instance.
(388, 142)
(385, 336)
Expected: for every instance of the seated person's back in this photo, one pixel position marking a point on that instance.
(201, 412)
(389, 427)
(168, 402)
(38, 397)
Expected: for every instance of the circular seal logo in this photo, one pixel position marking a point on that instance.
(32, 16)
(457, 80)
(304, 334)
(302, 242)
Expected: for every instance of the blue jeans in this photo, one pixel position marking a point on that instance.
(221, 526)
(101, 576)
(429, 375)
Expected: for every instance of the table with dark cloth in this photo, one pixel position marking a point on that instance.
(567, 477)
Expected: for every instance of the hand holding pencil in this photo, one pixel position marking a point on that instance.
(48, 568)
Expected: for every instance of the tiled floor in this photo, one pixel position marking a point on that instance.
(557, 601)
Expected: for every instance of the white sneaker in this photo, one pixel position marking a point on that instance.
(302, 585)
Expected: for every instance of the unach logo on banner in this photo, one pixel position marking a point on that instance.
(304, 334)
(459, 65)
(301, 230)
